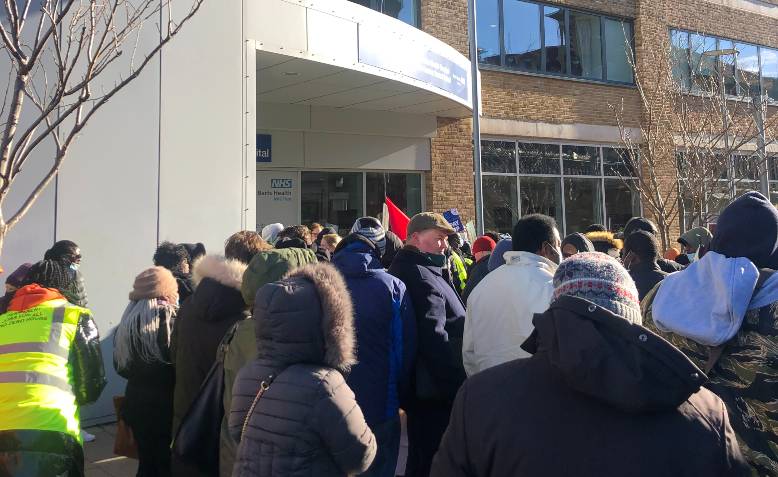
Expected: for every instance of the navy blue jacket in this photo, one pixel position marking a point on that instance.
(386, 335)
(440, 324)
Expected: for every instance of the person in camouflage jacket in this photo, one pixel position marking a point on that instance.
(722, 312)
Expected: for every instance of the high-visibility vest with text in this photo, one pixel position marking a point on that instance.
(35, 379)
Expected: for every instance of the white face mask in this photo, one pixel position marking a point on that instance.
(74, 266)
(691, 256)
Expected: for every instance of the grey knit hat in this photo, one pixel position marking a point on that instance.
(600, 279)
(371, 229)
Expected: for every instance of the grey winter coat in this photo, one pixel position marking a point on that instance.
(307, 423)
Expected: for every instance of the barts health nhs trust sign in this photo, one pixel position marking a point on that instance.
(264, 148)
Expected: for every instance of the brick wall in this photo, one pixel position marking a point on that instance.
(450, 182)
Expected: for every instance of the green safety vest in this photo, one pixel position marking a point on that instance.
(459, 268)
(35, 378)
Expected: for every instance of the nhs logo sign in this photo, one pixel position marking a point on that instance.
(264, 149)
(281, 183)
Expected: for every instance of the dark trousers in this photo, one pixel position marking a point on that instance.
(387, 436)
(427, 421)
(153, 452)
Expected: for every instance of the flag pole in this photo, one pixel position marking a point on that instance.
(476, 102)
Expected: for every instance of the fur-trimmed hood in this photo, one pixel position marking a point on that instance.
(606, 242)
(307, 317)
(228, 272)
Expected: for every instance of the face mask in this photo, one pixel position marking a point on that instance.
(691, 256)
(436, 259)
(74, 266)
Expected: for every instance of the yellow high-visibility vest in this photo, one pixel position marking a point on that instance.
(460, 270)
(35, 379)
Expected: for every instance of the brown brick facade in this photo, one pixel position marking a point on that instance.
(535, 98)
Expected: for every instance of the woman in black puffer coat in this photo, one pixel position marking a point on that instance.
(307, 422)
(68, 255)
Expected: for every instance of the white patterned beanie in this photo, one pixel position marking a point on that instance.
(600, 279)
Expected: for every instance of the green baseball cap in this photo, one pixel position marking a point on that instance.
(428, 220)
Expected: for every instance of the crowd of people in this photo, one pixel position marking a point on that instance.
(300, 351)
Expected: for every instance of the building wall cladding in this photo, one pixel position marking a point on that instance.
(523, 97)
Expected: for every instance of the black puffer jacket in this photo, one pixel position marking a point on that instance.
(202, 321)
(599, 397)
(307, 423)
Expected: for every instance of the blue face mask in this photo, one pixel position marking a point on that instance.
(691, 256)
(74, 266)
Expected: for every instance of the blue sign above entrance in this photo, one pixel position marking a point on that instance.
(264, 148)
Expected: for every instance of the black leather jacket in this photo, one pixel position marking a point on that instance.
(86, 361)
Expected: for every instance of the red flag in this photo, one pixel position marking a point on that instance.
(398, 221)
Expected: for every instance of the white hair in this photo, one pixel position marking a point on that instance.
(136, 335)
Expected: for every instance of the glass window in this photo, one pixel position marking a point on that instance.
(405, 10)
(554, 39)
(542, 195)
(581, 161)
(538, 158)
(498, 156)
(585, 45)
(617, 162)
(583, 204)
(618, 50)
(704, 76)
(488, 32)
(522, 35)
(746, 167)
(774, 193)
(403, 189)
(331, 198)
(747, 68)
(769, 72)
(680, 57)
(500, 203)
(727, 65)
(622, 202)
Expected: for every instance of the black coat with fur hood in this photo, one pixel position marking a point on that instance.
(202, 321)
(307, 423)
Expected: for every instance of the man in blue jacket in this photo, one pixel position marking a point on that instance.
(440, 318)
(386, 335)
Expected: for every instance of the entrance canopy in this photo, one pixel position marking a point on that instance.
(348, 56)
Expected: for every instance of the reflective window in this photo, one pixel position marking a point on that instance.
(769, 72)
(679, 55)
(703, 73)
(405, 10)
(500, 203)
(522, 35)
(498, 156)
(538, 158)
(556, 40)
(331, 198)
(622, 202)
(618, 48)
(542, 195)
(489, 33)
(727, 66)
(404, 189)
(580, 192)
(581, 160)
(585, 45)
(747, 68)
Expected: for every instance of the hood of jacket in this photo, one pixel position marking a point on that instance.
(605, 357)
(271, 265)
(708, 300)
(217, 293)
(356, 256)
(748, 227)
(30, 296)
(696, 238)
(605, 240)
(306, 318)
(497, 257)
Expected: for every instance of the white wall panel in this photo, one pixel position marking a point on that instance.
(332, 151)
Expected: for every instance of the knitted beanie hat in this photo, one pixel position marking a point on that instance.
(156, 282)
(371, 229)
(483, 244)
(600, 279)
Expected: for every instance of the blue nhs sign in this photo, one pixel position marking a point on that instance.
(264, 149)
(281, 183)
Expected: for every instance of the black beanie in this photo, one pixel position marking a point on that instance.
(639, 223)
(748, 228)
(643, 244)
